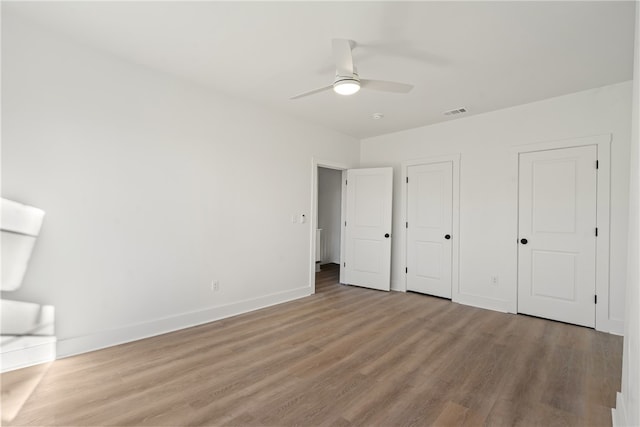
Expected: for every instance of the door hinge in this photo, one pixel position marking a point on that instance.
(595, 299)
(407, 224)
(596, 231)
(406, 269)
(345, 223)
(407, 180)
(346, 182)
(344, 264)
(597, 164)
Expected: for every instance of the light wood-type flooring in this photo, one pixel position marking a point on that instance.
(344, 356)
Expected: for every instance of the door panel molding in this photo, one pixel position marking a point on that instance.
(604, 322)
(455, 244)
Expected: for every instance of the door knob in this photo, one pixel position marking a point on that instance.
(524, 241)
(386, 235)
(447, 236)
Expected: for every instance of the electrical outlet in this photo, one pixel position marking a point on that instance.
(494, 280)
(215, 286)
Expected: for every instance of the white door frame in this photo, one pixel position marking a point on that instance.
(315, 164)
(455, 244)
(603, 144)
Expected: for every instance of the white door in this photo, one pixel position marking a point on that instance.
(557, 234)
(429, 228)
(368, 228)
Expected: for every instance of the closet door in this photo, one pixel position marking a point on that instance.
(429, 228)
(557, 234)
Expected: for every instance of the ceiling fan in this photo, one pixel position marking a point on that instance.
(347, 81)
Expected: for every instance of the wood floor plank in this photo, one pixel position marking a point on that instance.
(345, 356)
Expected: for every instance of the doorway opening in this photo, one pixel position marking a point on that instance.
(327, 225)
(364, 257)
(329, 230)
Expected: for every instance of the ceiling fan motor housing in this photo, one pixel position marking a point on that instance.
(346, 85)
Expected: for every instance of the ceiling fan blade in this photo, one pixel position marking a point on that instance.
(385, 86)
(311, 92)
(342, 56)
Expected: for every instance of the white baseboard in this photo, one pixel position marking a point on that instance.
(27, 351)
(481, 302)
(614, 326)
(108, 338)
(395, 286)
(619, 413)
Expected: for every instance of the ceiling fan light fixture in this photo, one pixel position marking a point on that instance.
(347, 82)
(346, 87)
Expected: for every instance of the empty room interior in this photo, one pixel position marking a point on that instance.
(320, 213)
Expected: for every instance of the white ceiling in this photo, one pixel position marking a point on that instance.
(479, 55)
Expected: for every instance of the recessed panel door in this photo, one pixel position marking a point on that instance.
(368, 228)
(429, 228)
(557, 234)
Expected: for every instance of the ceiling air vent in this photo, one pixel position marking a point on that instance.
(455, 111)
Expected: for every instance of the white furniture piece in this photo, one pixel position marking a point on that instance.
(20, 225)
(27, 328)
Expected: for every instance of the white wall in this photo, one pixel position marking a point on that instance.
(627, 410)
(329, 212)
(152, 187)
(488, 208)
